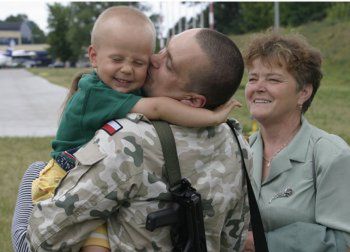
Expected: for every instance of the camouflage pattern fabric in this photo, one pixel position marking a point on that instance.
(119, 180)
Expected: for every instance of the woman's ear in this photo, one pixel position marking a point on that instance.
(92, 56)
(194, 100)
(305, 93)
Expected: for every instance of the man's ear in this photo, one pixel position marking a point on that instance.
(305, 93)
(92, 56)
(194, 100)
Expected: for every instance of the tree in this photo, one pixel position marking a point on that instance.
(294, 14)
(339, 12)
(238, 17)
(227, 17)
(38, 34)
(256, 16)
(16, 19)
(58, 23)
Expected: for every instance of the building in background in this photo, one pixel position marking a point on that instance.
(20, 32)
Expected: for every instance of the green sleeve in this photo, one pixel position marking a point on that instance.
(332, 196)
(305, 237)
(105, 104)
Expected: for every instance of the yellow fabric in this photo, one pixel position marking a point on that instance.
(98, 237)
(44, 186)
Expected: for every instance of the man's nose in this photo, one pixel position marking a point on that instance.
(155, 60)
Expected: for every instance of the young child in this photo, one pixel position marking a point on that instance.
(122, 41)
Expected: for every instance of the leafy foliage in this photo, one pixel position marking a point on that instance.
(73, 24)
(256, 16)
(222, 22)
(339, 12)
(17, 18)
(243, 17)
(58, 23)
(296, 13)
(230, 18)
(38, 34)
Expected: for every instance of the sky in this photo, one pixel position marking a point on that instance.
(37, 10)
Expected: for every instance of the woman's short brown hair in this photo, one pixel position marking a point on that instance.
(292, 51)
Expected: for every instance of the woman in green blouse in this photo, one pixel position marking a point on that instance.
(301, 173)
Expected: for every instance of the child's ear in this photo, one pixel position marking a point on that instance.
(92, 56)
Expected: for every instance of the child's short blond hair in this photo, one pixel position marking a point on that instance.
(125, 14)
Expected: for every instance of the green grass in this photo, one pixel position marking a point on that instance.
(16, 154)
(330, 111)
(58, 76)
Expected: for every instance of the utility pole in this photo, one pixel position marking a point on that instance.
(172, 23)
(194, 16)
(161, 27)
(211, 15)
(186, 24)
(201, 17)
(277, 16)
(180, 18)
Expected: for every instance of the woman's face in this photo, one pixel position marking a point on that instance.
(271, 93)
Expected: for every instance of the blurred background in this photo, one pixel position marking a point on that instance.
(49, 39)
(58, 34)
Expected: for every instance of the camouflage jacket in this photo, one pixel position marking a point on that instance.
(118, 179)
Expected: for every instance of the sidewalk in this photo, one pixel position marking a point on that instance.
(29, 105)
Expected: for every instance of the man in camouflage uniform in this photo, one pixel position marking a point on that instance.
(119, 179)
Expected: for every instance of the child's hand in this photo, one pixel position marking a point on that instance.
(221, 113)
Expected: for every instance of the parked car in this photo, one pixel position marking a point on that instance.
(29, 63)
(57, 64)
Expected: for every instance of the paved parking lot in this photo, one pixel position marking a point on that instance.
(29, 105)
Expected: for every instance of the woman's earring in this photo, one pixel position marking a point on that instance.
(299, 107)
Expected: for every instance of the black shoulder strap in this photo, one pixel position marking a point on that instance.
(255, 218)
(171, 161)
(173, 173)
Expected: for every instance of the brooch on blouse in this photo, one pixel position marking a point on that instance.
(286, 193)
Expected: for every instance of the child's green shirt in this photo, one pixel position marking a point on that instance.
(93, 105)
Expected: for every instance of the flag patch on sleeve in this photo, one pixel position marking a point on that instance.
(112, 127)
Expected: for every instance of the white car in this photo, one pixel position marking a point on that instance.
(5, 60)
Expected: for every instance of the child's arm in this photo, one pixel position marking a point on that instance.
(175, 112)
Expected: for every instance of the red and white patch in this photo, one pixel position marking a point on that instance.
(69, 155)
(112, 127)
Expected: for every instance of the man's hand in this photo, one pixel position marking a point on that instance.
(249, 243)
(221, 113)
